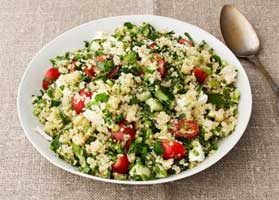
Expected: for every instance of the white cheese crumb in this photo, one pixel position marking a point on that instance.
(95, 116)
(202, 98)
(196, 154)
(229, 73)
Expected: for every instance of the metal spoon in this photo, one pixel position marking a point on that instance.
(242, 39)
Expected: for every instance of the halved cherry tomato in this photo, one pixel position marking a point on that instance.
(200, 75)
(45, 84)
(52, 74)
(90, 71)
(101, 58)
(173, 149)
(184, 41)
(126, 132)
(152, 45)
(121, 164)
(186, 128)
(162, 66)
(78, 103)
(113, 72)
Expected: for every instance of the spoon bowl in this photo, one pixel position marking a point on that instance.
(238, 33)
(242, 39)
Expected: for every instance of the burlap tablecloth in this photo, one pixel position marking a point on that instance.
(249, 171)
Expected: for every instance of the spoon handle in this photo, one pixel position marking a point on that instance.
(255, 60)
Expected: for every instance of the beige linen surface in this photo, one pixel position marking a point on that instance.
(249, 171)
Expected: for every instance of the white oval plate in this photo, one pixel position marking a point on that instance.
(73, 39)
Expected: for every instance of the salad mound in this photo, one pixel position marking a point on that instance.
(139, 104)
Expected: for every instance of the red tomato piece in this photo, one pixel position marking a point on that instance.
(78, 103)
(152, 45)
(52, 74)
(200, 75)
(162, 66)
(101, 58)
(121, 164)
(126, 132)
(184, 41)
(113, 72)
(90, 71)
(45, 84)
(186, 128)
(85, 93)
(173, 149)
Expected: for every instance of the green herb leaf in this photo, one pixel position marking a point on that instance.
(216, 99)
(86, 44)
(134, 100)
(189, 37)
(54, 103)
(219, 100)
(102, 97)
(119, 118)
(108, 66)
(66, 119)
(158, 148)
(216, 58)
(128, 25)
(78, 152)
(130, 58)
(55, 144)
(50, 92)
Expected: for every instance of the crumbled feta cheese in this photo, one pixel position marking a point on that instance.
(229, 73)
(95, 115)
(202, 98)
(68, 79)
(196, 154)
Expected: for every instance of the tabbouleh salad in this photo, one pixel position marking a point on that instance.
(140, 104)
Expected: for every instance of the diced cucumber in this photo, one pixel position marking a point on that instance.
(144, 96)
(140, 170)
(159, 171)
(78, 151)
(236, 96)
(163, 94)
(154, 104)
